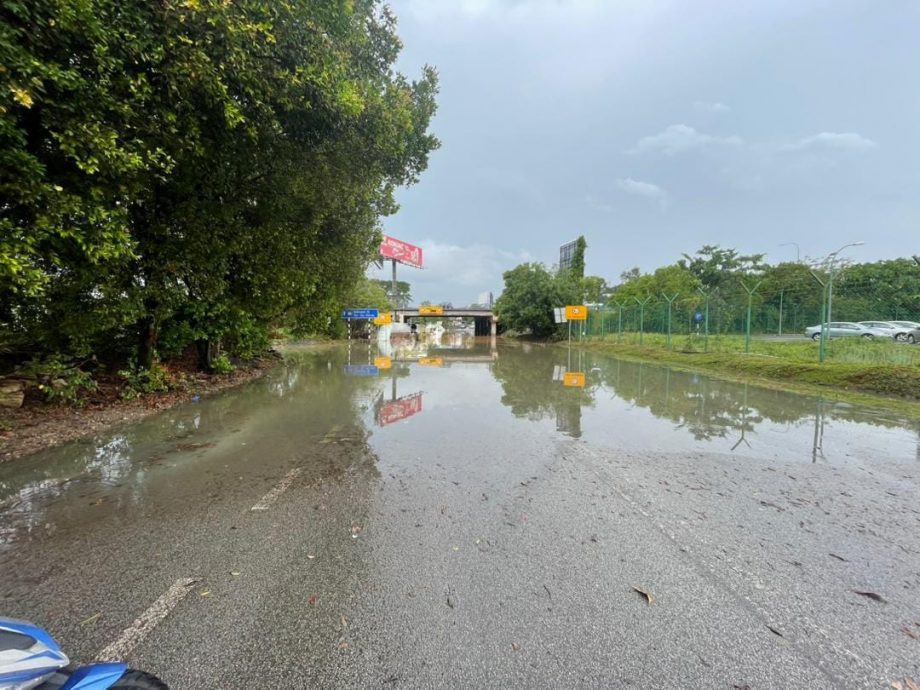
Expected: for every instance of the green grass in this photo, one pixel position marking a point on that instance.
(873, 367)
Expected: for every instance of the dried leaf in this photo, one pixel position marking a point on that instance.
(91, 619)
(647, 595)
(312, 600)
(235, 573)
(205, 593)
(774, 631)
(871, 595)
(839, 558)
(515, 647)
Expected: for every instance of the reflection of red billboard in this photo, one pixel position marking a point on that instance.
(395, 410)
(403, 252)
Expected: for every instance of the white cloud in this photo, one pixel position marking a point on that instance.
(644, 189)
(679, 138)
(841, 141)
(711, 107)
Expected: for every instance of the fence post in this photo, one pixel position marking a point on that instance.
(780, 312)
(670, 302)
(747, 336)
(705, 294)
(642, 304)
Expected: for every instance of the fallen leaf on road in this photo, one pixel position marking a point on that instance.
(205, 593)
(343, 645)
(344, 622)
(312, 600)
(907, 684)
(235, 573)
(310, 556)
(515, 646)
(91, 619)
(774, 631)
(871, 595)
(647, 595)
(839, 558)
(907, 631)
(355, 531)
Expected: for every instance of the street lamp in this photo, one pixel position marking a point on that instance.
(798, 253)
(831, 258)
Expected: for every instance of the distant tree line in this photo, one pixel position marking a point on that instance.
(195, 171)
(787, 292)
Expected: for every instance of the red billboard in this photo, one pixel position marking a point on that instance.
(403, 252)
(395, 410)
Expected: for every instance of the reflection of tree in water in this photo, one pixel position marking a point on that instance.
(530, 391)
(706, 407)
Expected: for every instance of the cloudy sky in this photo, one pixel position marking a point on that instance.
(653, 127)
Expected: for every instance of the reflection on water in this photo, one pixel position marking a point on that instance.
(337, 397)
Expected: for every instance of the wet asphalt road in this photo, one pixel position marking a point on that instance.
(490, 537)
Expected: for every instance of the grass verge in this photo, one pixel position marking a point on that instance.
(889, 380)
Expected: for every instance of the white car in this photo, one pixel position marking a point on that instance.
(842, 329)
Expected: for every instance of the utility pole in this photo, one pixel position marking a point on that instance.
(394, 288)
(831, 260)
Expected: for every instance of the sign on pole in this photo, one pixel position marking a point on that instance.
(576, 312)
(431, 310)
(383, 362)
(355, 314)
(384, 319)
(573, 379)
(559, 314)
(361, 370)
(431, 361)
(400, 251)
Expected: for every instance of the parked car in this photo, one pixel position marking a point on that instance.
(904, 327)
(913, 336)
(883, 328)
(841, 329)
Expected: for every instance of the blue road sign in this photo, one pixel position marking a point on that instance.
(698, 316)
(361, 370)
(354, 314)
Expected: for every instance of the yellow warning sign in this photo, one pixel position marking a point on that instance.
(383, 362)
(383, 319)
(431, 361)
(431, 310)
(573, 379)
(576, 312)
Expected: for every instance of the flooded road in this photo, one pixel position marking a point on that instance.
(477, 515)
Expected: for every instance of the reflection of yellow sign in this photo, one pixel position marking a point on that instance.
(431, 361)
(576, 312)
(383, 362)
(383, 319)
(573, 379)
(431, 310)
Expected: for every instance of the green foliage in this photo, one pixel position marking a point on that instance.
(578, 258)
(403, 292)
(530, 295)
(139, 381)
(195, 170)
(59, 380)
(222, 365)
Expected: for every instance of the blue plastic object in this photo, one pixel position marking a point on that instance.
(95, 677)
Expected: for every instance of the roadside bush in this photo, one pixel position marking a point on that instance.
(139, 381)
(222, 365)
(59, 380)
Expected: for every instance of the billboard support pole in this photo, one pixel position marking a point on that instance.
(395, 305)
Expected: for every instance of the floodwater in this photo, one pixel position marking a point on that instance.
(402, 401)
(467, 513)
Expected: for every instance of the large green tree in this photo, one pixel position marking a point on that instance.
(530, 295)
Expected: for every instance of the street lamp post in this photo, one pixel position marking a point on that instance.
(831, 259)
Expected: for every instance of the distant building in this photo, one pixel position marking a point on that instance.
(567, 254)
(485, 299)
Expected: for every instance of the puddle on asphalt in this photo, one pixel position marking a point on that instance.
(397, 405)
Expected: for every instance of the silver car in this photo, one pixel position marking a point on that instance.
(841, 329)
(883, 328)
(904, 328)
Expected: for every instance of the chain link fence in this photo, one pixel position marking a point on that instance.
(768, 320)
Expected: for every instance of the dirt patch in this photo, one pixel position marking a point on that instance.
(37, 426)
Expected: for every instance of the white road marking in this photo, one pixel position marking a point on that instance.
(149, 619)
(281, 487)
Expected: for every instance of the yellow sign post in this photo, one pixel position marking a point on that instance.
(573, 379)
(383, 362)
(431, 361)
(431, 310)
(576, 312)
(384, 319)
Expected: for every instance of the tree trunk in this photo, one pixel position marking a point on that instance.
(206, 351)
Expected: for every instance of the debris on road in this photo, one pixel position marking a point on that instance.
(839, 558)
(91, 619)
(871, 595)
(647, 595)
